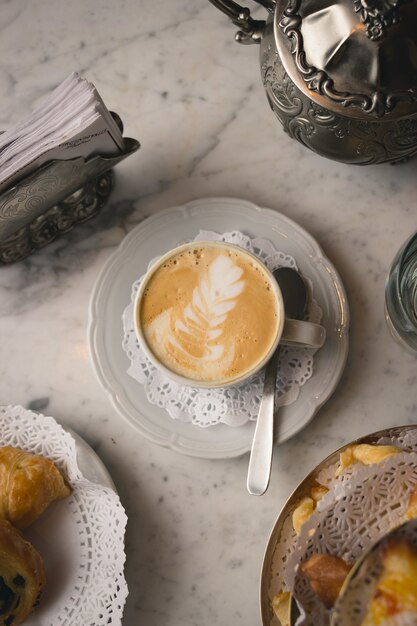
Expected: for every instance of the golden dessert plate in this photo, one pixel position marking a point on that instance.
(278, 536)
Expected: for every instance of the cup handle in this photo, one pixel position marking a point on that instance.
(303, 334)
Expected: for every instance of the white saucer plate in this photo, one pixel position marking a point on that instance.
(155, 236)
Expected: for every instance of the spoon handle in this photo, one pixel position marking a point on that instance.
(259, 469)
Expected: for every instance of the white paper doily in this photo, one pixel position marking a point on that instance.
(80, 538)
(236, 405)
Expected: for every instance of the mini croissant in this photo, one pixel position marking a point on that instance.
(22, 576)
(28, 483)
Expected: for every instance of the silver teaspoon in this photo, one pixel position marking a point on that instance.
(295, 296)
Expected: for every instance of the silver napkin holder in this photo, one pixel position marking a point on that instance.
(53, 199)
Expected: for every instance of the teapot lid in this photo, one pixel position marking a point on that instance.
(359, 55)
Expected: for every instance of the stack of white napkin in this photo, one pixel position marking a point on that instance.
(71, 122)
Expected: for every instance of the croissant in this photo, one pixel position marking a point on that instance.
(22, 576)
(28, 483)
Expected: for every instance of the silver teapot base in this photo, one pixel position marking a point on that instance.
(336, 137)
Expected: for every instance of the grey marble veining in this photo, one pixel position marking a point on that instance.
(194, 99)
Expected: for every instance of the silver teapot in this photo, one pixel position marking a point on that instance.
(340, 75)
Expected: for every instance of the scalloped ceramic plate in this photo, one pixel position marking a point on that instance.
(157, 235)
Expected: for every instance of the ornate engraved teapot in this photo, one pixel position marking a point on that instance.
(340, 75)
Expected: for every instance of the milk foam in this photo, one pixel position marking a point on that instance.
(202, 321)
(209, 314)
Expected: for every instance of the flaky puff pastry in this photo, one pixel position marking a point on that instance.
(28, 483)
(307, 506)
(326, 574)
(22, 576)
(365, 454)
(395, 595)
(411, 512)
(281, 603)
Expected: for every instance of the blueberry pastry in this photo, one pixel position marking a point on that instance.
(28, 483)
(22, 576)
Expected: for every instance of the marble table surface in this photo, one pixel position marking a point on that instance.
(194, 99)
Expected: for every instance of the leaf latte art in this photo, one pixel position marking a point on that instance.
(195, 332)
(209, 313)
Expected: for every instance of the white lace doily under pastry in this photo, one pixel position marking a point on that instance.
(236, 405)
(348, 520)
(406, 439)
(80, 538)
(288, 538)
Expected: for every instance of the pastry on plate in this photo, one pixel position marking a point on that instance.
(326, 574)
(394, 599)
(411, 512)
(28, 483)
(365, 454)
(307, 505)
(22, 576)
(281, 605)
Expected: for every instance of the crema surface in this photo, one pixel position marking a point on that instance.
(209, 313)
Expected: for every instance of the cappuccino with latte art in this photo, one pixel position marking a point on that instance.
(210, 313)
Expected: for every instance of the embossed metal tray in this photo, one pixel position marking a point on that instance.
(52, 200)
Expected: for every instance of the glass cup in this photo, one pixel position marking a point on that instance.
(401, 295)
